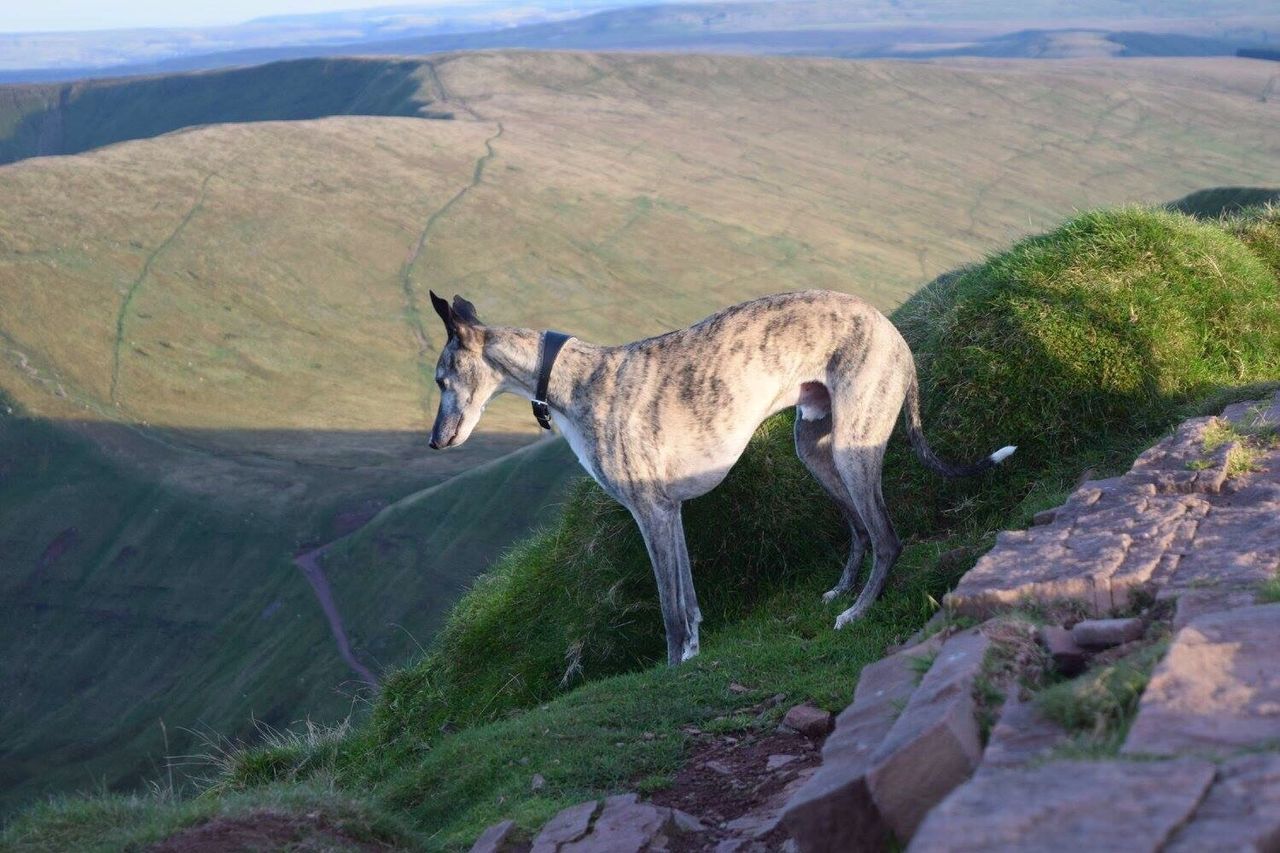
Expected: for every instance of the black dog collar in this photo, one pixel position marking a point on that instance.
(551, 344)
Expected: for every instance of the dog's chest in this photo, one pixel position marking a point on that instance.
(577, 443)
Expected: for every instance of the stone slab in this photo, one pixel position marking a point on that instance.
(1241, 811)
(567, 826)
(936, 743)
(833, 810)
(1217, 690)
(499, 838)
(1127, 806)
(1105, 633)
(1020, 736)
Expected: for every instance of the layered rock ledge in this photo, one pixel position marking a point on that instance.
(950, 744)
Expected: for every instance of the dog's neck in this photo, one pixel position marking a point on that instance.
(517, 354)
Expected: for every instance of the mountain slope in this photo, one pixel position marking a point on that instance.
(229, 322)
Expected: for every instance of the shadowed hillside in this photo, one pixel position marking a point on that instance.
(230, 320)
(74, 117)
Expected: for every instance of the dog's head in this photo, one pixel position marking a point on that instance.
(466, 380)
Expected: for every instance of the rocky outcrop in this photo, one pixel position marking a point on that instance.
(1183, 543)
(1167, 527)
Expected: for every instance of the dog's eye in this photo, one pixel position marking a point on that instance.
(440, 384)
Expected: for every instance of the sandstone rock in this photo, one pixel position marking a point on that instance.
(935, 744)
(809, 721)
(1218, 688)
(1104, 633)
(1076, 805)
(833, 810)
(567, 826)
(775, 762)
(499, 838)
(538, 782)
(1020, 736)
(1236, 546)
(1241, 811)
(1044, 516)
(1199, 602)
(626, 825)
(1061, 645)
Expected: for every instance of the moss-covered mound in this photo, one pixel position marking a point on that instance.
(1075, 346)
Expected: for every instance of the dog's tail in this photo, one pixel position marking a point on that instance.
(911, 412)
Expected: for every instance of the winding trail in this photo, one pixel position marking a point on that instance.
(123, 313)
(412, 313)
(309, 563)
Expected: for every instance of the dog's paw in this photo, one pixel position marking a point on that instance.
(850, 615)
(831, 595)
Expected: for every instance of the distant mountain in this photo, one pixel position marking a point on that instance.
(911, 29)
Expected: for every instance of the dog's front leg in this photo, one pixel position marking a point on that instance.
(659, 521)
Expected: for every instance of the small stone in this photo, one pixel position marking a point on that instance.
(1044, 516)
(569, 825)
(1104, 633)
(626, 825)
(718, 767)
(776, 761)
(649, 736)
(499, 838)
(1061, 644)
(809, 721)
(537, 783)
(735, 687)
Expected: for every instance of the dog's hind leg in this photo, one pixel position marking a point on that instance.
(663, 533)
(813, 446)
(860, 468)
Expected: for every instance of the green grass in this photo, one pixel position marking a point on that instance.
(110, 823)
(127, 605)
(1081, 346)
(1099, 706)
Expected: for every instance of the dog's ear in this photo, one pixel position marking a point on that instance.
(464, 311)
(446, 314)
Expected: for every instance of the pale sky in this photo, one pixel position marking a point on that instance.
(34, 15)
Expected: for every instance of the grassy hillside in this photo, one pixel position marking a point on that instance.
(227, 321)
(584, 584)
(131, 605)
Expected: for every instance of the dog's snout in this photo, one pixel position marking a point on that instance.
(433, 444)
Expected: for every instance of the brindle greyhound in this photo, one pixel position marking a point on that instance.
(662, 420)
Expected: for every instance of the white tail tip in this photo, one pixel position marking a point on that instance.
(1002, 454)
